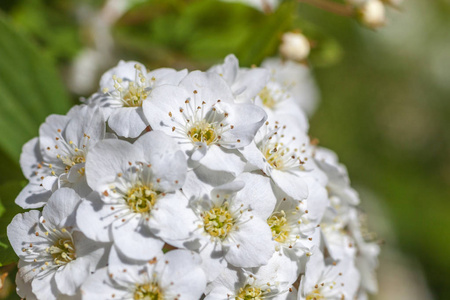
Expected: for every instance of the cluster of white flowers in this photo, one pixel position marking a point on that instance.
(190, 185)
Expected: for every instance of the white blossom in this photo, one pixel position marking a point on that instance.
(54, 256)
(282, 151)
(202, 116)
(272, 281)
(215, 169)
(57, 158)
(331, 280)
(297, 80)
(230, 225)
(140, 201)
(174, 276)
(123, 90)
(244, 83)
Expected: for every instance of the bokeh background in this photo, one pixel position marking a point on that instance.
(384, 108)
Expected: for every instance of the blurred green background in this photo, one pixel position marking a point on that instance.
(385, 97)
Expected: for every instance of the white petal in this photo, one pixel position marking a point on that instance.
(182, 274)
(70, 277)
(21, 231)
(94, 219)
(32, 196)
(162, 101)
(23, 288)
(45, 287)
(228, 70)
(256, 195)
(168, 163)
(172, 218)
(107, 159)
(219, 159)
(247, 119)
(293, 185)
(250, 82)
(134, 242)
(128, 121)
(60, 209)
(100, 286)
(213, 262)
(210, 87)
(30, 158)
(315, 267)
(251, 245)
(85, 121)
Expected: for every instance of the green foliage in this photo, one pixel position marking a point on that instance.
(30, 90)
(8, 209)
(178, 33)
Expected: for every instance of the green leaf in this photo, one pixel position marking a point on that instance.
(30, 90)
(8, 209)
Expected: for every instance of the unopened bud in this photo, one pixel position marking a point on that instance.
(372, 14)
(294, 46)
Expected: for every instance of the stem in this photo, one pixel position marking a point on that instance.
(333, 7)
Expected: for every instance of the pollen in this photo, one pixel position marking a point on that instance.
(218, 221)
(62, 251)
(267, 99)
(204, 132)
(249, 293)
(148, 291)
(315, 295)
(141, 198)
(279, 226)
(135, 95)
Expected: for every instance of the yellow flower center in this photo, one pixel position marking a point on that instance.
(267, 98)
(202, 132)
(278, 224)
(141, 198)
(249, 293)
(148, 291)
(218, 222)
(315, 295)
(72, 161)
(275, 155)
(135, 95)
(62, 251)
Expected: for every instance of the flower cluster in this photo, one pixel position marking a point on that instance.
(190, 185)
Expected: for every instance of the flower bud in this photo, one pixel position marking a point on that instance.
(294, 46)
(372, 14)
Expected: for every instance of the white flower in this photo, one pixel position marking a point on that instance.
(295, 79)
(140, 198)
(57, 158)
(334, 226)
(272, 281)
(55, 257)
(295, 46)
(174, 276)
(282, 151)
(244, 83)
(201, 115)
(368, 251)
(328, 280)
(338, 182)
(124, 89)
(230, 225)
(294, 222)
(277, 102)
